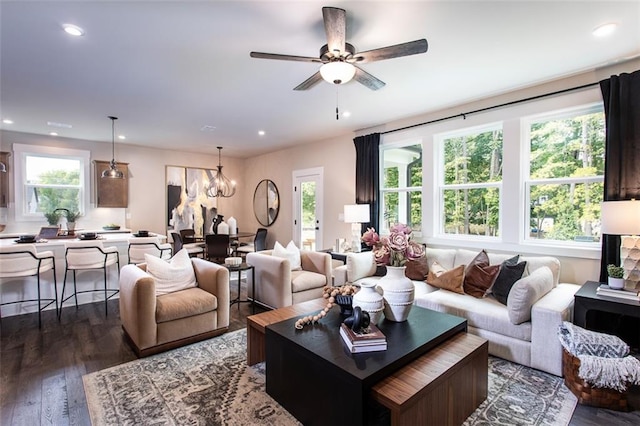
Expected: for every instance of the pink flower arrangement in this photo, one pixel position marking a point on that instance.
(395, 249)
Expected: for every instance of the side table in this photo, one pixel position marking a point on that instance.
(587, 299)
(239, 269)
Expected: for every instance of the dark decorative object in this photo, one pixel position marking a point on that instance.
(359, 320)
(345, 303)
(216, 221)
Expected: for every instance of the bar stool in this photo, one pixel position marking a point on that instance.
(139, 246)
(25, 261)
(89, 255)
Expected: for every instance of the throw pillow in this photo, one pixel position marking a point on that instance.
(479, 275)
(526, 292)
(360, 265)
(417, 269)
(291, 253)
(510, 272)
(173, 275)
(449, 280)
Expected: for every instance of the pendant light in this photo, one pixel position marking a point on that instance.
(112, 172)
(220, 185)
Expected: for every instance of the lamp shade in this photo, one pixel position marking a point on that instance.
(337, 72)
(620, 217)
(356, 213)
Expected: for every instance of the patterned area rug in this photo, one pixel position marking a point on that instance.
(209, 383)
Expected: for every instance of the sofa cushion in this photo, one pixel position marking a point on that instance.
(184, 303)
(173, 275)
(291, 253)
(360, 265)
(535, 262)
(417, 269)
(479, 275)
(510, 272)
(526, 291)
(486, 313)
(445, 257)
(306, 280)
(447, 279)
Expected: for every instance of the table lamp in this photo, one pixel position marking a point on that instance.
(623, 218)
(356, 214)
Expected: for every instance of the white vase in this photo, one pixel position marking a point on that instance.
(369, 300)
(398, 293)
(616, 283)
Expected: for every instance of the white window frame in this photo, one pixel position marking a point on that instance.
(441, 186)
(416, 234)
(21, 153)
(528, 181)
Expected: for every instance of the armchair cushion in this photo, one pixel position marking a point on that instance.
(305, 280)
(291, 253)
(183, 304)
(173, 275)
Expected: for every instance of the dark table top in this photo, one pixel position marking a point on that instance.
(588, 291)
(406, 341)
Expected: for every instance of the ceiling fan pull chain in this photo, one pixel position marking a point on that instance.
(337, 113)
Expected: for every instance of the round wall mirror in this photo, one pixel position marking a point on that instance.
(266, 202)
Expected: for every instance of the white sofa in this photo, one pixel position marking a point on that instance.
(533, 343)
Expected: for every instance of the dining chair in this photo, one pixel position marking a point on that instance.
(25, 261)
(89, 255)
(194, 249)
(188, 236)
(217, 247)
(259, 243)
(139, 246)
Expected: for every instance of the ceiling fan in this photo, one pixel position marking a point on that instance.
(340, 60)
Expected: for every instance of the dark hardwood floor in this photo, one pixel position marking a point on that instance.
(41, 369)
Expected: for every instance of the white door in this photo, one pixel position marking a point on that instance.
(307, 208)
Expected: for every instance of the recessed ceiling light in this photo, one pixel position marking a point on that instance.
(123, 137)
(261, 132)
(7, 121)
(73, 30)
(605, 29)
(346, 114)
(61, 125)
(53, 133)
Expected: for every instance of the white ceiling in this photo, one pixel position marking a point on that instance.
(167, 69)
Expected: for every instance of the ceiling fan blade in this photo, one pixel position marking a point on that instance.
(368, 80)
(405, 49)
(310, 82)
(335, 25)
(262, 55)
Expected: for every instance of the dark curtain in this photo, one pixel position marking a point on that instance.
(368, 176)
(621, 96)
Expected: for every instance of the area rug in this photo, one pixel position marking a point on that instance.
(209, 383)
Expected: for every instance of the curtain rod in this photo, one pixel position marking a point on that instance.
(465, 114)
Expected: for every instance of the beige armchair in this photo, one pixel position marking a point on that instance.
(277, 285)
(154, 324)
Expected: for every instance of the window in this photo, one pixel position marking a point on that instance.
(401, 187)
(48, 179)
(566, 175)
(471, 178)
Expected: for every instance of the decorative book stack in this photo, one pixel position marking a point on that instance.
(371, 341)
(605, 290)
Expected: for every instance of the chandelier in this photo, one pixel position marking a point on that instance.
(220, 185)
(112, 172)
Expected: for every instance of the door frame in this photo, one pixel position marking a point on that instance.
(316, 174)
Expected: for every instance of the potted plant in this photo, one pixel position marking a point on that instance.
(615, 276)
(52, 217)
(71, 216)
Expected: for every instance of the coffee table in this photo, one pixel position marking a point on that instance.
(305, 367)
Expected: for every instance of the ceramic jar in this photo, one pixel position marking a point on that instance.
(369, 300)
(616, 283)
(398, 294)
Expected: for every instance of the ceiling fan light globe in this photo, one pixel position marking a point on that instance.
(337, 72)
